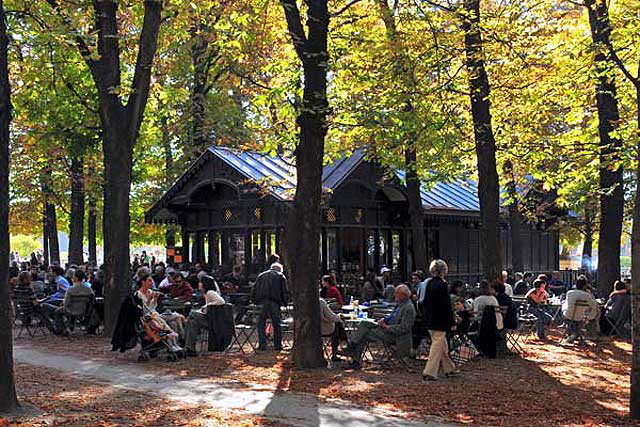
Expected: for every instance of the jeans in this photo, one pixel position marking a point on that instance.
(271, 310)
(55, 317)
(543, 319)
(439, 361)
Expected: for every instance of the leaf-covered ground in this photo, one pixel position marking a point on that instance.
(554, 385)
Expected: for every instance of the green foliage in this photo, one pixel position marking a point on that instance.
(24, 245)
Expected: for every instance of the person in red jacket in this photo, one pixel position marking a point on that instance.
(332, 290)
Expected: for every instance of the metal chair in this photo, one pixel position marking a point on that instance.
(581, 315)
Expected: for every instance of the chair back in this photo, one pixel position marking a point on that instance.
(79, 305)
(581, 311)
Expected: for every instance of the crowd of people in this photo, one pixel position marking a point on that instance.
(426, 307)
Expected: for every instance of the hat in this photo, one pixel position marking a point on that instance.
(384, 270)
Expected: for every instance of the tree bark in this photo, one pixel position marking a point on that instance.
(199, 49)
(92, 223)
(76, 219)
(170, 232)
(416, 212)
(52, 225)
(45, 230)
(488, 186)
(8, 398)
(515, 220)
(304, 221)
(587, 247)
(611, 171)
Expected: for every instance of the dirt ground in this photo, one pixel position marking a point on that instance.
(553, 385)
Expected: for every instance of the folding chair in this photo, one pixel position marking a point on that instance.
(26, 314)
(619, 327)
(244, 332)
(582, 315)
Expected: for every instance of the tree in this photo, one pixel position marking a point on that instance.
(120, 123)
(488, 186)
(8, 398)
(76, 219)
(515, 218)
(304, 218)
(611, 170)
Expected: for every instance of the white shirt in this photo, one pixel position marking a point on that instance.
(481, 302)
(508, 289)
(571, 312)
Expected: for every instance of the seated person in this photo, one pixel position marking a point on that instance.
(394, 329)
(234, 282)
(462, 316)
(507, 286)
(149, 300)
(331, 325)
(557, 286)
(575, 314)
(522, 283)
(23, 293)
(62, 285)
(331, 290)
(389, 293)
(510, 317)
(179, 288)
(537, 300)
(486, 297)
(618, 308)
(197, 319)
(69, 307)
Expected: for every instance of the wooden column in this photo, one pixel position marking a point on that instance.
(185, 244)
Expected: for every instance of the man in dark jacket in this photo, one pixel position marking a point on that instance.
(438, 316)
(270, 291)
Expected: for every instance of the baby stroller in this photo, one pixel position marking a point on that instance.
(153, 341)
(133, 327)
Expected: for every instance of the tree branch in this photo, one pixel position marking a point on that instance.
(345, 8)
(294, 24)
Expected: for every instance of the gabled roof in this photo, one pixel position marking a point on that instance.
(279, 175)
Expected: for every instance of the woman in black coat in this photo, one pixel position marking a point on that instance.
(438, 315)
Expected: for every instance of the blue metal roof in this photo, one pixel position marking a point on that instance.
(455, 195)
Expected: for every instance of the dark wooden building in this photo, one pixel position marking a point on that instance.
(231, 206)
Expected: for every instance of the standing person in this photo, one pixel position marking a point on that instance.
(507, 285)
(332, 290)
(438, 316)
(369, 288)
(270, 291)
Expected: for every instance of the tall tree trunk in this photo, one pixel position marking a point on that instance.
(54, 244)
(170, 233)
(488, 187)
(8, 398)
(587, 247)
(45, 230)
(515, 219)
(305, 218)
(76, 219)
(92, 222)
(416, 212)
(200, 61)
(611, 179)
(634, 403)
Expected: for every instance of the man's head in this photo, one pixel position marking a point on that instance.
(619, 285)
(518, 277)
(385, 272)
(277, 267)
(505, 276)
(402, 293)
(416, 277)
(79, 276)
(178, 279)
(528, 276)
(193, 271)
(159, 270)
(582, 282)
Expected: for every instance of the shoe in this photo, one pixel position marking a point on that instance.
(452, 374)
(190, 353)
(429, 378)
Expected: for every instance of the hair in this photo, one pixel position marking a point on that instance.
(278, 267)
(208, 283)
(519, 276)
(24, 278)
(527, 275)
(542, 277)
(419, 274)
(453, 288)
(329, 279)
(499, 287)
(57, 270)
(438, 268)
(538, 283)
(581, 282)
(484, 288)
(142, 278)
(405, 289)
(193, 270)
(619, 286)
(80, 275)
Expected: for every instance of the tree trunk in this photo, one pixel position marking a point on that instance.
(304, 221)
(8, 398)
(587, 247)
(416, 212)
(515, 220)
(92, 224)
(634, 403)
(54, 244)
(170, 233)
(76, 219)
(199, 59)
(118, 161)
(45, 230)
(611, 179)
(488, 187)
